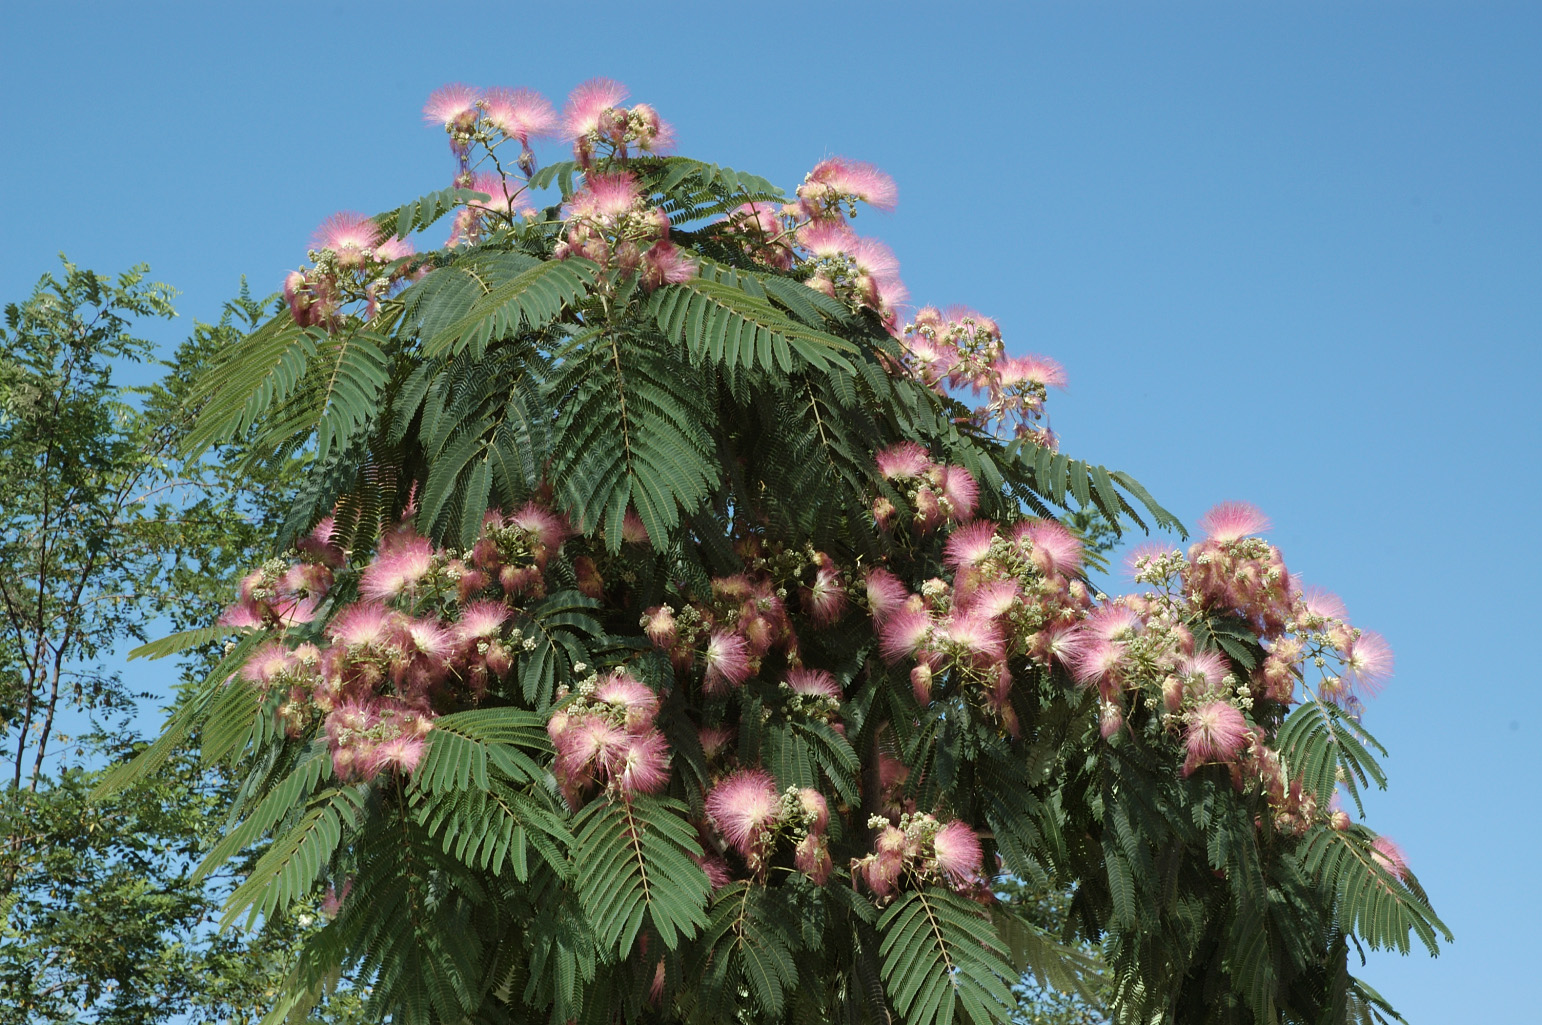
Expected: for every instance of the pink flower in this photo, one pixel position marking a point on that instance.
(825, 599)
(520, 113)
(904, 631)
(1056, 551)
(1389, 856)
(1368, 661)
(1144, 554)
(659, 624)
(976, 635)
(1217, 732)
(993, 599)
(587, 102)
(858, 179)
(400, 754)
(587, 743)
(1323, 604)
(506, 198)
(632, 696)
(1232, 521)
(715, 740)
(744, 807)
(402, 562)
(886, 593)
(1209, 664)
(962, 493)
(362, 624)
(957, 849)
(968, 545)
(481, 620)
(921, 683)
(815, 809)
(907, 459)
(728, 662)
(1040, 370)
(632, 530)
(812, 858)
(451, 105)
(642, 767)
(352, 236)
(666, 264)
(813, 683)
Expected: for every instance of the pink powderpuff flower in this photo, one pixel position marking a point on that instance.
(715, 740)
(902, 461)
(1216, 732)
(1144, 554)
(976, 635)
(587, 102)
(813, 683)
(642, 767)
(993, 599)
(904, 632)
(1056, 551)
(829, 240)
(1323, 604)
(630, 695)
(962, 493)
(744, 807)
(1390, 857)
(399, 754)
(352, 236)
(1110, 718)
(605, 196)
(921, 683)
(426, 637)
(361, 625)
(812, 858)
(816, 811)
(886, 594)
(858, 179)
(1368, 661)
(659, 624)
(632, 530)
(825, 598)
(241, 616)
(403, 561)
(666, 264)
(520, 113)
(548, 530)
(1210, 665)
(1040, 370)
(969, 545)
(587, 743)
(728, 662)
(1232, 521)
(716, 868)
(1112, 623)
(322, 545)
(957, 850)
(1095, 661)
(267, 662)
(481, 620)
(453, 105)
(657, 135)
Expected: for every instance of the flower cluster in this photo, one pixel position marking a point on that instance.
(352, 259)
(606, 737)
(610, 223)
(601, 127)
(491, 119)
(749, 815)
(961, 348)
(923, 850)
(428, 633)
(936, 491)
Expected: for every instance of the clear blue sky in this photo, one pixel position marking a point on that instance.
(1289, 253)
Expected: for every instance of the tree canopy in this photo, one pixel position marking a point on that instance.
(675, 625)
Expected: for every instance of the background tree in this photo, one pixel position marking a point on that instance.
(105, 531)
(666, 639)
